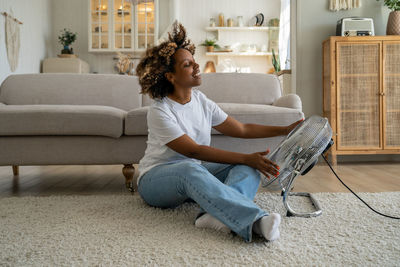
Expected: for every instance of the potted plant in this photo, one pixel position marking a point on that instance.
(393, 24)
(66, 39)
(210, 45)
(275, 62)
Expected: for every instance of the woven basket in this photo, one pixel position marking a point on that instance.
(393, 25)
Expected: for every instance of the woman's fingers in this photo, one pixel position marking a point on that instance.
(273, 164)
(268, 167)
(269, 170)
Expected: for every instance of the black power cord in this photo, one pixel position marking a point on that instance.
(392, 217)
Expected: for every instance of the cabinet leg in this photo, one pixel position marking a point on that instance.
(128, 170)
(334, 160)
(331, 157)
(15, 170)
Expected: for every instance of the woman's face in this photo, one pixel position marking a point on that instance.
(187, 72)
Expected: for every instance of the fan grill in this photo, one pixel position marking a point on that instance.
(307, 141)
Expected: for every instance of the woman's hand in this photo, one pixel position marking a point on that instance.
(260, 162)
(292, 126)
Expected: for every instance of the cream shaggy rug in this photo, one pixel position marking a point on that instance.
(115, 230)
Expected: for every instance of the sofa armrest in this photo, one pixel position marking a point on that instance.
(136, 121)
(2, 104)
(289, 101)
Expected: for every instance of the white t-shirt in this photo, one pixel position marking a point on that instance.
(168, 120)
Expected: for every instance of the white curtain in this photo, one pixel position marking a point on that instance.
(12, 41)
(174, 15)
(284, 35)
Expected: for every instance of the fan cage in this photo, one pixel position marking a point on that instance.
(307, 141)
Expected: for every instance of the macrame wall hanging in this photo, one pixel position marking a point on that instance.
(12, 40)
(336, 5)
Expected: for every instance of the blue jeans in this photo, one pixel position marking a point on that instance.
(224, 191)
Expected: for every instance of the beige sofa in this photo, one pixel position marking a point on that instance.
(96, 119)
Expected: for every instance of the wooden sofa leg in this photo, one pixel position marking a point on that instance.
(128, 170)
(15, 169)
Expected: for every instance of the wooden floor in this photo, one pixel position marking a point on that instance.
(90, 180)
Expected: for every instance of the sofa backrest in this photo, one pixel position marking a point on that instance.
(248, 88)
(119, 91)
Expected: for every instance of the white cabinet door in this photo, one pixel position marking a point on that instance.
(99, 25)
(118, 25)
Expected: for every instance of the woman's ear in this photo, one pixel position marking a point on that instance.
(170, 77)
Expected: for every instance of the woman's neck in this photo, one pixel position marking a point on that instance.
(181, 96)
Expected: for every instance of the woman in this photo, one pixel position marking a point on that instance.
(179, 164)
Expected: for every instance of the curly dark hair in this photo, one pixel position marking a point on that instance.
(159, 60)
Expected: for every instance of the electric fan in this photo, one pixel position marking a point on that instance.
(296, 155)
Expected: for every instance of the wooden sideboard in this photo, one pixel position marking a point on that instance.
(361, 94)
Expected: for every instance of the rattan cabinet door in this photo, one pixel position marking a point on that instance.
(391, 94)
(358, 95)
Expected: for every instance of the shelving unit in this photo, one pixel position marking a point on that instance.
(259, 36)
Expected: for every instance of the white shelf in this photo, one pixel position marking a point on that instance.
(241, 28)
(238, 54)
(227, 29)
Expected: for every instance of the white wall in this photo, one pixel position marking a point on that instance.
(35, 35)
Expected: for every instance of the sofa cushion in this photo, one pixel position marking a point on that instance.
(61, 120)
(261, 114)
(136, 120)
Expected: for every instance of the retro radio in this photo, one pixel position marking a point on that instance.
(355, 27)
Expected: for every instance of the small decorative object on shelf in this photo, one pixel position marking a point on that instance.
(221, 20)
(273, 22)
(257, 20)
(229, 22)
(66, 39)
(240, 22)
(210, 67)
(210, 45)
(212, 22)
(124, 64)
(393, 24)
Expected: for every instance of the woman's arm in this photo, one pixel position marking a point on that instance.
(234, 128)
(187, 147)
